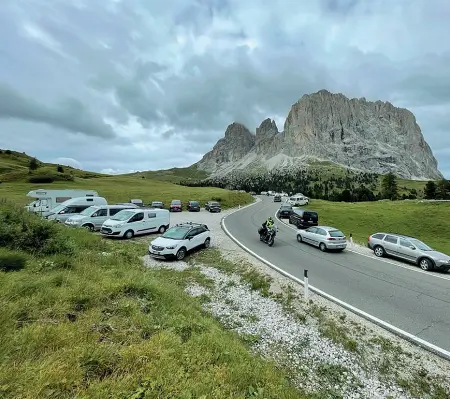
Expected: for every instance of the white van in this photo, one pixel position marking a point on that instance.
(298, 200)
(131, 222)
(45, 200)
(73, 207)
(92, 218)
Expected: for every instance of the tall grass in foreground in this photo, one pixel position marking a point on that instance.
(83, 318)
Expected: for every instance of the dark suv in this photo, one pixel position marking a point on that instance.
(285, 211)
(213, 206)
(193, 206)
(303, 218)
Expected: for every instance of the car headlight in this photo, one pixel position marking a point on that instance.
(172, 247)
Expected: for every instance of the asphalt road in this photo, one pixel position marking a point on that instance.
(418, 303)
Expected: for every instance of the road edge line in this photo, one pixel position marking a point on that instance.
(389, 327)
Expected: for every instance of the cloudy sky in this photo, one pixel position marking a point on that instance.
(123, 85)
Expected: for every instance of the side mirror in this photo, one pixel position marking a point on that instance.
(34, 205)
(189, 237)
(62, 212)
(412, 247)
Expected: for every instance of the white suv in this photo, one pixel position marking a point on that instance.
(179, 240)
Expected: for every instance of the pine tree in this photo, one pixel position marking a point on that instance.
(33, 164)
(389, 187)
(430, 190)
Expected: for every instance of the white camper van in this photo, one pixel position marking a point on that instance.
(48, 199)
(298, 200)
(73, 207)
(93, 217)
(131, 222)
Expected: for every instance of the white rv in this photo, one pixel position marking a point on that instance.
(72, 207)
(48, 199)
(132, 222)
(298, 200)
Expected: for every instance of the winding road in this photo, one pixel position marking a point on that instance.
(414, 301)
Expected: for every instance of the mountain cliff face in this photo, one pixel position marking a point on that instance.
(354, 133)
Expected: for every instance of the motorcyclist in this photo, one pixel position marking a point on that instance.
(268, 224)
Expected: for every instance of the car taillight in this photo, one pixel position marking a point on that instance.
(331, 238)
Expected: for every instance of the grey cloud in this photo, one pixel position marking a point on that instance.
(71, 115)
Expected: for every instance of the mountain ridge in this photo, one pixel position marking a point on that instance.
(323, 126)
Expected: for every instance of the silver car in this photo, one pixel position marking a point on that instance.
(324, 237)
(410, 249)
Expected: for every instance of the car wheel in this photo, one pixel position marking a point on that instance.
(426, 264)
(290, 221)
(89, 227)
(207, 243)
(129, 234)
(379, 251)
(162, 230)
(181, 254)
(322, 247)
(299, 238)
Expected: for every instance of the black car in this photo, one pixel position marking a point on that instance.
(193, 206)
(303, 218)
(277, 198)
(285, 211)
(213, 206)
(157, 204)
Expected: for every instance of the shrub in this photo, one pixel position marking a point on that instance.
(41, 179)
(60, 169)
(20, 230)
(11, 261)
(8, 152)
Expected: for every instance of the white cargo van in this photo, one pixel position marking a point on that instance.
(131, 222)
(93, 217)
(45, 200)
(298, 200)
(73, 207)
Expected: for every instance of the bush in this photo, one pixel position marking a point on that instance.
(12, 262)
(21, 230)
(41, 179)
(8, 152)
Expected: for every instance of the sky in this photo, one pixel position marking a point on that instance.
(128, 85)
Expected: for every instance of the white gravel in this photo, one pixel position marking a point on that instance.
(279, 335)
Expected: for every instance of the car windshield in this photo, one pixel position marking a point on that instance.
(176, 233)
(89, 211)
(194, 202)
(122, 215)
(176, 202)
(214, 204)
(336, 233)
(421, 245)
(286, 208)
(57, 208)
(156, 203)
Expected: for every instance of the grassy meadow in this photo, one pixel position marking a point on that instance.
(429, 222)
(82, 317)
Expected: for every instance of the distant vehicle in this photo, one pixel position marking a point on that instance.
(175, 206)
(72, 207)
(92, 218)
(252, 193)
(179, 240)
(325, 237)
(137, 202)
(157, 204)
(213, 206)
(132, 222)
(193, 206)
(298, 200)
(128, 204)
(285, 211)
(410, 249)
(303, 218)
(263, 192)
(277, 198)
(45, 200)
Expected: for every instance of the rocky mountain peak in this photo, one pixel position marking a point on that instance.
(355, 133)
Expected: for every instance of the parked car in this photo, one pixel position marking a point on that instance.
(179, 240)
(213, 206)
(128, 204)
(157, 204)
(285, 211)
(137, 202)
(92, 218)
(175, 206)
(410, 249)
(193, 206)
(73, 206)
(324, 237)
(131, 222)
(303, 218)
(277, 198)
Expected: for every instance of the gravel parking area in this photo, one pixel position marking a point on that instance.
(305, 338)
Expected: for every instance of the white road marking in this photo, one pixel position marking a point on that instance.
(395, 330)
(411, 268)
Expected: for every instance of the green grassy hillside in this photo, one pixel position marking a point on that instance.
(174, 175)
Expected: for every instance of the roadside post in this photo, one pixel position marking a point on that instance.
(351, 239)
(305, 276)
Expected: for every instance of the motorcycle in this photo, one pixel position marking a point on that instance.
(269, 237)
